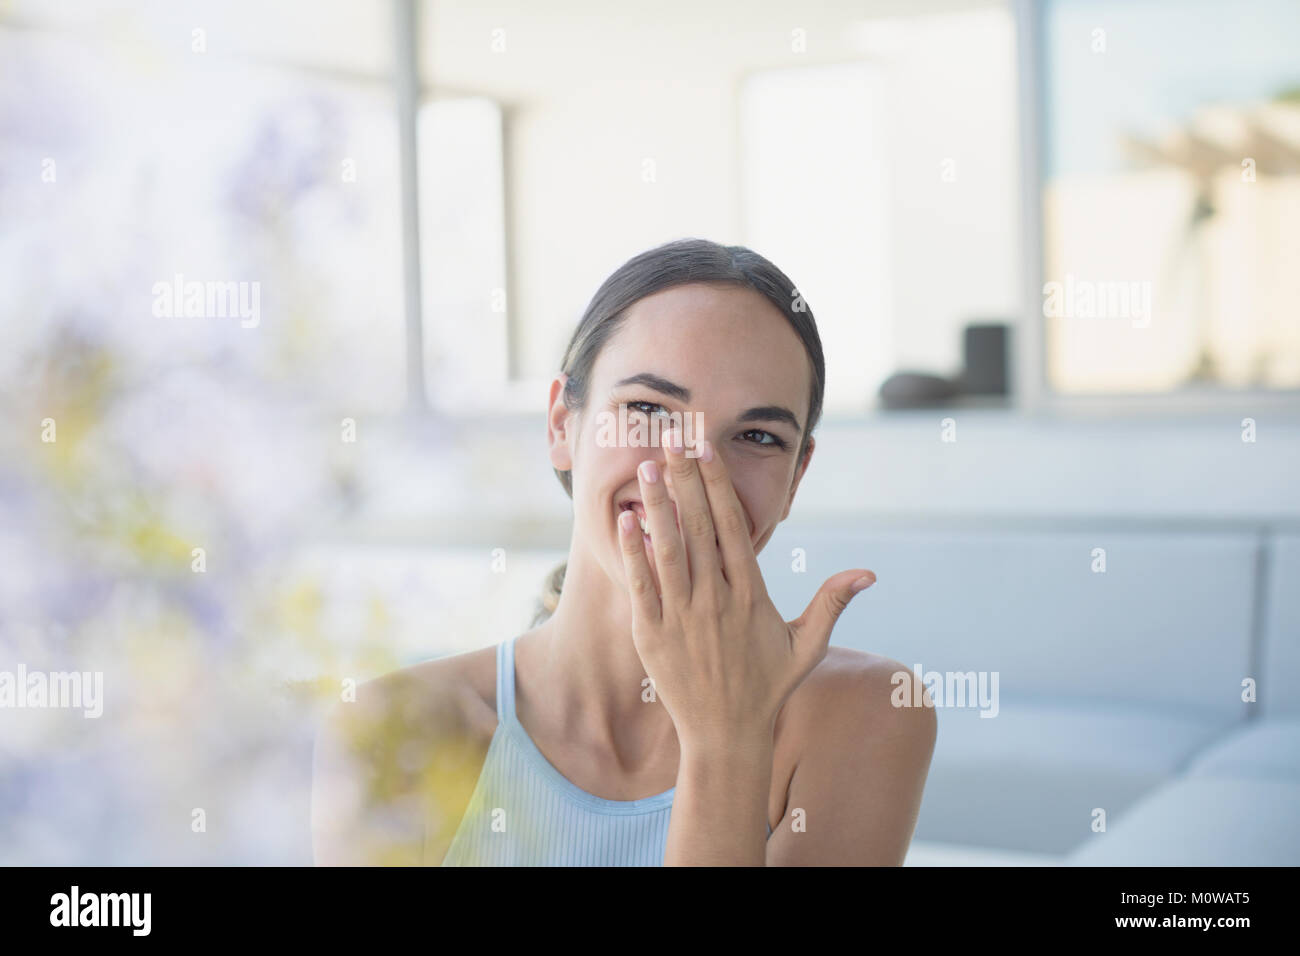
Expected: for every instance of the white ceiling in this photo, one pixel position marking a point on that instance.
(553, 48)
(558, 47)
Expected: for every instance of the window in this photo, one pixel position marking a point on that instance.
(1170, 195)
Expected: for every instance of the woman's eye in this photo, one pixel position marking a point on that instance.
(764, 438)
(775, 441)
(648, 405)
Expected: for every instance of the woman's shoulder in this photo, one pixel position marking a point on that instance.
(452, 695)
(849, 685)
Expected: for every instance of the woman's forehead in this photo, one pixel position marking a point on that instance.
(725, 343)
(704, 301)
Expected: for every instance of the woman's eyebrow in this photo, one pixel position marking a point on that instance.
(771, 413)
(658, 384)
(762, 413)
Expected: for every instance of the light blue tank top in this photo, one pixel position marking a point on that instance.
(541, 817)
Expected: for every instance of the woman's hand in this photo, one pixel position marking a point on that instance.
(720, 656)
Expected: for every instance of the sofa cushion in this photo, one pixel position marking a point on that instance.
(1202, 821)
(1029, 778)
(1263, 748)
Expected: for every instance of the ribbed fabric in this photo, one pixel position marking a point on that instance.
(541, 817)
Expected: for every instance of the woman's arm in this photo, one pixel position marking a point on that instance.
(856, 789)
(855, 793)
(393, 772)
(360, 813)
(719, 815)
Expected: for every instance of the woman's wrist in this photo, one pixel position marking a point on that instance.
(733, 748)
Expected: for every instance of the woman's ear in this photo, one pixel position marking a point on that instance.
(798, 475)
(558, 422)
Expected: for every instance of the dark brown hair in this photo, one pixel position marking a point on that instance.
(671, 264)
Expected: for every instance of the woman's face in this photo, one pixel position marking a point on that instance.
(722, 355)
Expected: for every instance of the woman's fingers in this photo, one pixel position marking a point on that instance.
(729, 521)
(665, 542)
(640, 579)
(694, 513)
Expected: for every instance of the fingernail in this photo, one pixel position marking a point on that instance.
(862, 583)
(706, 450)
(650, 471)
(625, 520)
(674, 439)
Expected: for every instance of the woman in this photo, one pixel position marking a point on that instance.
(659, 711)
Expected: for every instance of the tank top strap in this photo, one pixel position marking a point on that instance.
(506, 681)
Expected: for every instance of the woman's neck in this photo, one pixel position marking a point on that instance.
(583, 678)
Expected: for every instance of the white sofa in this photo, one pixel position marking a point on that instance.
(1118, 691)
